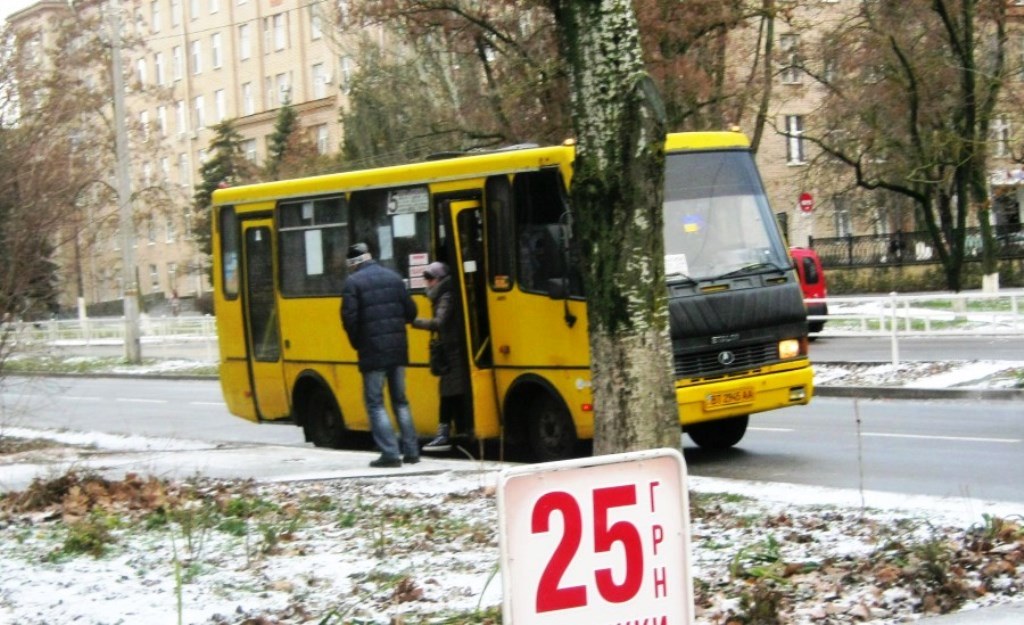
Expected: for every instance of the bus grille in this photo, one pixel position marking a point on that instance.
(708, 364)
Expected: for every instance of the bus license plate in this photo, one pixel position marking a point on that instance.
(743, 395)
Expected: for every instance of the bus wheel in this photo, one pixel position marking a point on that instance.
(719, 434)
(322, 422)
(551, 433)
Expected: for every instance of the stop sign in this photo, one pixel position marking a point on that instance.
(806, 202)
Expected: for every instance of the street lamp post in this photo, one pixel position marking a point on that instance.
(132, 346)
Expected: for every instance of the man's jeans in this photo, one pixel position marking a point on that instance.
(380, 424)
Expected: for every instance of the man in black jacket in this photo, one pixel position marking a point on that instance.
(375, 308)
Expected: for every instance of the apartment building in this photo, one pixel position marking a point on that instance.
(194, 63)
(811, 205)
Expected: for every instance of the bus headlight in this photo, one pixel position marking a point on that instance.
(789, 348)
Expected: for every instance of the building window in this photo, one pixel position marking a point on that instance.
(154, 278)
(161, 120)
(221, 104)
(795, 140)
(150, 227)
(244, 42)
(790, 57)
(144, 125)
(179, 117)
(140, 71)
(320, 81)
(165, 170)
(172, 229)
(316, 22)
(829, 70)
(175, 12)
(280, 33)
(197, 57)
(193, 9)
(249, 150)
(843, 222)
(158, 68)
(1001, 136)
(197, 106)
(178, 67)
(183, 170)
(322, 142)
(214, 6)
(248, 103)
(215, 50)
(283, 88)
(346, 74)
(154, 22)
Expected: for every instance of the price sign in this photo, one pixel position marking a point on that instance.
(597, 540)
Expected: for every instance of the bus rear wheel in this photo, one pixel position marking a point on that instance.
(550, 431)
(321, 422)
(719, 434)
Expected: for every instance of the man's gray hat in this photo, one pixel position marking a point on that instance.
(358, 253)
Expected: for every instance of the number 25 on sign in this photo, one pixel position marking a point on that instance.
(597, 541)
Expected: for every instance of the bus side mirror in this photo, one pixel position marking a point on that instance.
(558, 288)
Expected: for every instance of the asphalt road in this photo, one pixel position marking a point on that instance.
(945, 448)
(917, 348)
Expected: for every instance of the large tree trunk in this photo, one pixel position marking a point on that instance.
(617, 195)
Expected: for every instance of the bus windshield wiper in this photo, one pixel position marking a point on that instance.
(751, 268)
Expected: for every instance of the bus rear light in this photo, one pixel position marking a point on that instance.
(587, 407)
(789, 348)
(797, 393)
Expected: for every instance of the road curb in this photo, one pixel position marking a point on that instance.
(902, 392)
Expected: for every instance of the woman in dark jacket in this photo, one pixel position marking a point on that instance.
(454, 384)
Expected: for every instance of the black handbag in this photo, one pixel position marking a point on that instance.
(439, 364)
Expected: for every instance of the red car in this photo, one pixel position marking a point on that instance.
(812, 282)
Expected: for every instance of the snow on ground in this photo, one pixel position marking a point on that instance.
(424, 549)
(936, 375)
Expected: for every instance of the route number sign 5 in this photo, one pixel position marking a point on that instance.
(602, 541)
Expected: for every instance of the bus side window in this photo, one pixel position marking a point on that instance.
(498, 197)
(313, 244)
(229, 248)
(544, 249)
(395, 223)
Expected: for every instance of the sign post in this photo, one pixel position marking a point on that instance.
(597, 540)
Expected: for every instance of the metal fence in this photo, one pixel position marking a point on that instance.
(193, 337)
(904, 248)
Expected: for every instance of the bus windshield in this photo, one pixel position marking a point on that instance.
(717, 220)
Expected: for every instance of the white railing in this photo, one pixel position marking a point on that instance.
(158, 335)
(925, 314)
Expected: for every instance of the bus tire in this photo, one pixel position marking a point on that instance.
(719, 434)
(550, 432)
(321, 422)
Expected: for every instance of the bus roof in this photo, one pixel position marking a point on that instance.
(455, 168)
(681, 141)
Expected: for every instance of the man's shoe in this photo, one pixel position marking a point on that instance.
(411, 459)
(386, 463)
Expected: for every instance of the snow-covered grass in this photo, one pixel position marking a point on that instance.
(424, 549)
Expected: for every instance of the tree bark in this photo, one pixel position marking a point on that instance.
(617, 193)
